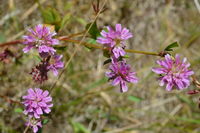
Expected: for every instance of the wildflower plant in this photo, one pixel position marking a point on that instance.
(37, 103)
(41, 38)
(114, 40)
(120, 74)
(174, 72)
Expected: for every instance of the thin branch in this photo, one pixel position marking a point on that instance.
(9, 99)
(26, 129)
(100, 47)
(10, 43)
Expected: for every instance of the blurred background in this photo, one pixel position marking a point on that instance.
(84, 102)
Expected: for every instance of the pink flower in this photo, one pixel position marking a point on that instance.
(37, 102)
(174, 72)
(34, 124)
(115, 39)
(120, 74)
(55, 64)
(41, 37)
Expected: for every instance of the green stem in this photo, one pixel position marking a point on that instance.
(67, 38)
(141, 52)
(100, 47)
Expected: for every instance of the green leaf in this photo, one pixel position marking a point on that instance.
(184, 99)
(61, 48)
(81, 21)
(93, 31)
(18, 110)
(79, 128)
(2, 38)
(51, 16)
(171, 46)
(39, 130)
(134, 99)
(65, 20)
(195, 121)
(45, 121)
(106, 53)
(37, 58)
(125, 56)
(90, 41)
(97, 83)
(107, 61)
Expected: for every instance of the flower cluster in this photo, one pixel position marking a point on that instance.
(37, 102)
(34, 124)
(41, 38)
(114, 41)
(174, 72)
(120, 74)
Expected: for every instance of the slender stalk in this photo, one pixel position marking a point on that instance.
(10, 43)
(20, 41)
(100, 47)
(73, 35)
(26, 129)
(141, 52)
(9, 99)
(67, 38)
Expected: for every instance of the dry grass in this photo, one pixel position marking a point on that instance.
(82, 94)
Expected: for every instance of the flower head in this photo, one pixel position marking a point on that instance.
(174, 72)
(120, 74)
(41, 37)
(115, 39)
(34, 124)
(39, 73)
(37, 102)
(55, 64)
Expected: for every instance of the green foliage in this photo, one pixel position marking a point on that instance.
(65, 20)
(79, 128)
(60, 48)
(18, 110)
(126, 56)
(37, 58)
(106, 53)
(91, 41)
(107, 61)
(134, 99)
(93, 31)
(184, 99)
(45, 121)
(2, 37)
(171, 46)
(189, 120)
(51, 16)
(97, 83)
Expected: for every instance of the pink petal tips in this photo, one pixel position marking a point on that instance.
(34, 124)
(121, 74)
(174, 72)
(115, 39)
(36, 102)
(40, 37)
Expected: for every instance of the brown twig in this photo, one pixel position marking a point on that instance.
(9, 99)
(10, 43)
(100, 47)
